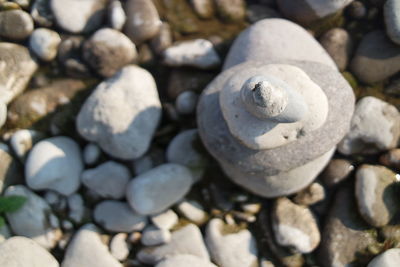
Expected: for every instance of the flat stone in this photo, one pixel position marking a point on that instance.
(187, 240)
(345, 235)
(392, 20)
(232, 249)
(158, 189)
(122, 113)
(198, 53)
(184, 261)
(78, 16)
(276, 40)
(184, 149)
(389, 258)
(15, 24)
(44, 43)
(221, 144)
(376, 194)
(108, 50)
(20, 251)
(10, 170)
(108, 180)
(34, 219)
(116, 216)
(165, 220)
(54, 163)
(295, 226)
(375, 127)
(87, 249)
(338, 44)
(153, 236)
(307, 11)
(119, 246)
(142, 22)
(17, 68)
(376, 58)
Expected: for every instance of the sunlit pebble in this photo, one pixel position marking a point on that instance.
(397, 177)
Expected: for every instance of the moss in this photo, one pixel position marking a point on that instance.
(351, 79)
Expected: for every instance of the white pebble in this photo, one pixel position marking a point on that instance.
(119, 247)
(192, 211)
(165, 220)
(44, 43)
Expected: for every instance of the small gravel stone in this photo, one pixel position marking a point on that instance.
(20, 251)
(336, 171)
(23, 140)
(392, 20)
(54, 163)
(391, 159)
(185, 149)
(198, 53)
(159, 188)
(76, 208)
(389, 258)
(165, 220)
(186, 102)
(184, 261)
(44, 43)
(108, 180)
(376, 194)
(116, 15)
(375, 127)
(376, 59)
(338, 44)
(15, 24)
(87, 249)
(153, 236)
(231, 10)
(78, 16)
(119, 247)
(230, 249)
(122, 113)
(143, 21)
(314, 193)
(108, 50)
(193, 211)
(41, 13)
(34, 219)
(204, 8)
(187, 240)
(295, 226)
(116, 216)
(163, 39)
(91, 153)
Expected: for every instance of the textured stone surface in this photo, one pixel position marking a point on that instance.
(122, 113)
(375, 127)
(276, 39)
(17, 68)
(55, 163)
(15, 24)
(35, 219)
(20, 251)
(158, 189)
(78, 16)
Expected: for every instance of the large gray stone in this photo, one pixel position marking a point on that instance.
(20, 251)
(375, 127)
(87, 249)
(17, 67)
(35, 219)
(122, 113)
(78, 16)
(158, 189)
(376, 58)
(276, 39)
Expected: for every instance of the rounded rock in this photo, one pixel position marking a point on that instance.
(15, 24)
(108, 50)
(336, 171)
(389, 258)
(186, 102)
(78, 16)
(23, 140)
(20, 251)
(108, 180)
(231, 10)
(54, 163)
(204, 8)
(338, 44)
(119, 246)
(153, 236)
(159, 188)
(91, 153)
(392, 20)
(165, 220)
(116, 15)
(44, 43)
(122, 113)
(116, 216)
